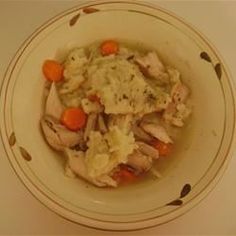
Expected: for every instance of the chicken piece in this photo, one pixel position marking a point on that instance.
(176, 114)
(76, 162)
(58, 136)
(174, 75)
(91, 124)
(148, 150)
(139, 161)
(182, 113)
(112, 120)
(140, 134)
(101, 124)
(151, 65)
(54, 107)
(177, 122)
(77, 165)
(169, 112)
(154, 118)
(107, 180)
(179, 93)
(125, 122)
(157, 131)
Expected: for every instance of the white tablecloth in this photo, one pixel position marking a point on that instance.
(21, 213)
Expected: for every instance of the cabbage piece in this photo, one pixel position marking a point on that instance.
(76, 165)
(120, 143)
(122, 88)
(75, 63)
(105, 152)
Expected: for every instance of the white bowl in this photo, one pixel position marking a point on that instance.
(199, 161)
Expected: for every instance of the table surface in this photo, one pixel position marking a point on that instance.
(22, 214)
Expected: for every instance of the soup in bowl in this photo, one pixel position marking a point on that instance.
(83, 76)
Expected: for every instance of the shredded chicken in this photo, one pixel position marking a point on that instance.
(140, 134)
(152, 66)
(179, 93)
(58, 136)
(157, 131)
(148, 150)
(91, 124)
(139, 161)
(101, 124)
(54, 107)
(177, 112)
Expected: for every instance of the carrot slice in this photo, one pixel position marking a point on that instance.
(109, 47)
(74, 118)
(52, 70)
(163, 148)
(124, 175)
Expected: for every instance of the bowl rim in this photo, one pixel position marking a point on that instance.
(202, 194)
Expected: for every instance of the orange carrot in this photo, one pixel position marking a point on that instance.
(52, 70)
(163, 148)
(74, 118)
(124, 175)
(94, 98)
(109, 47)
